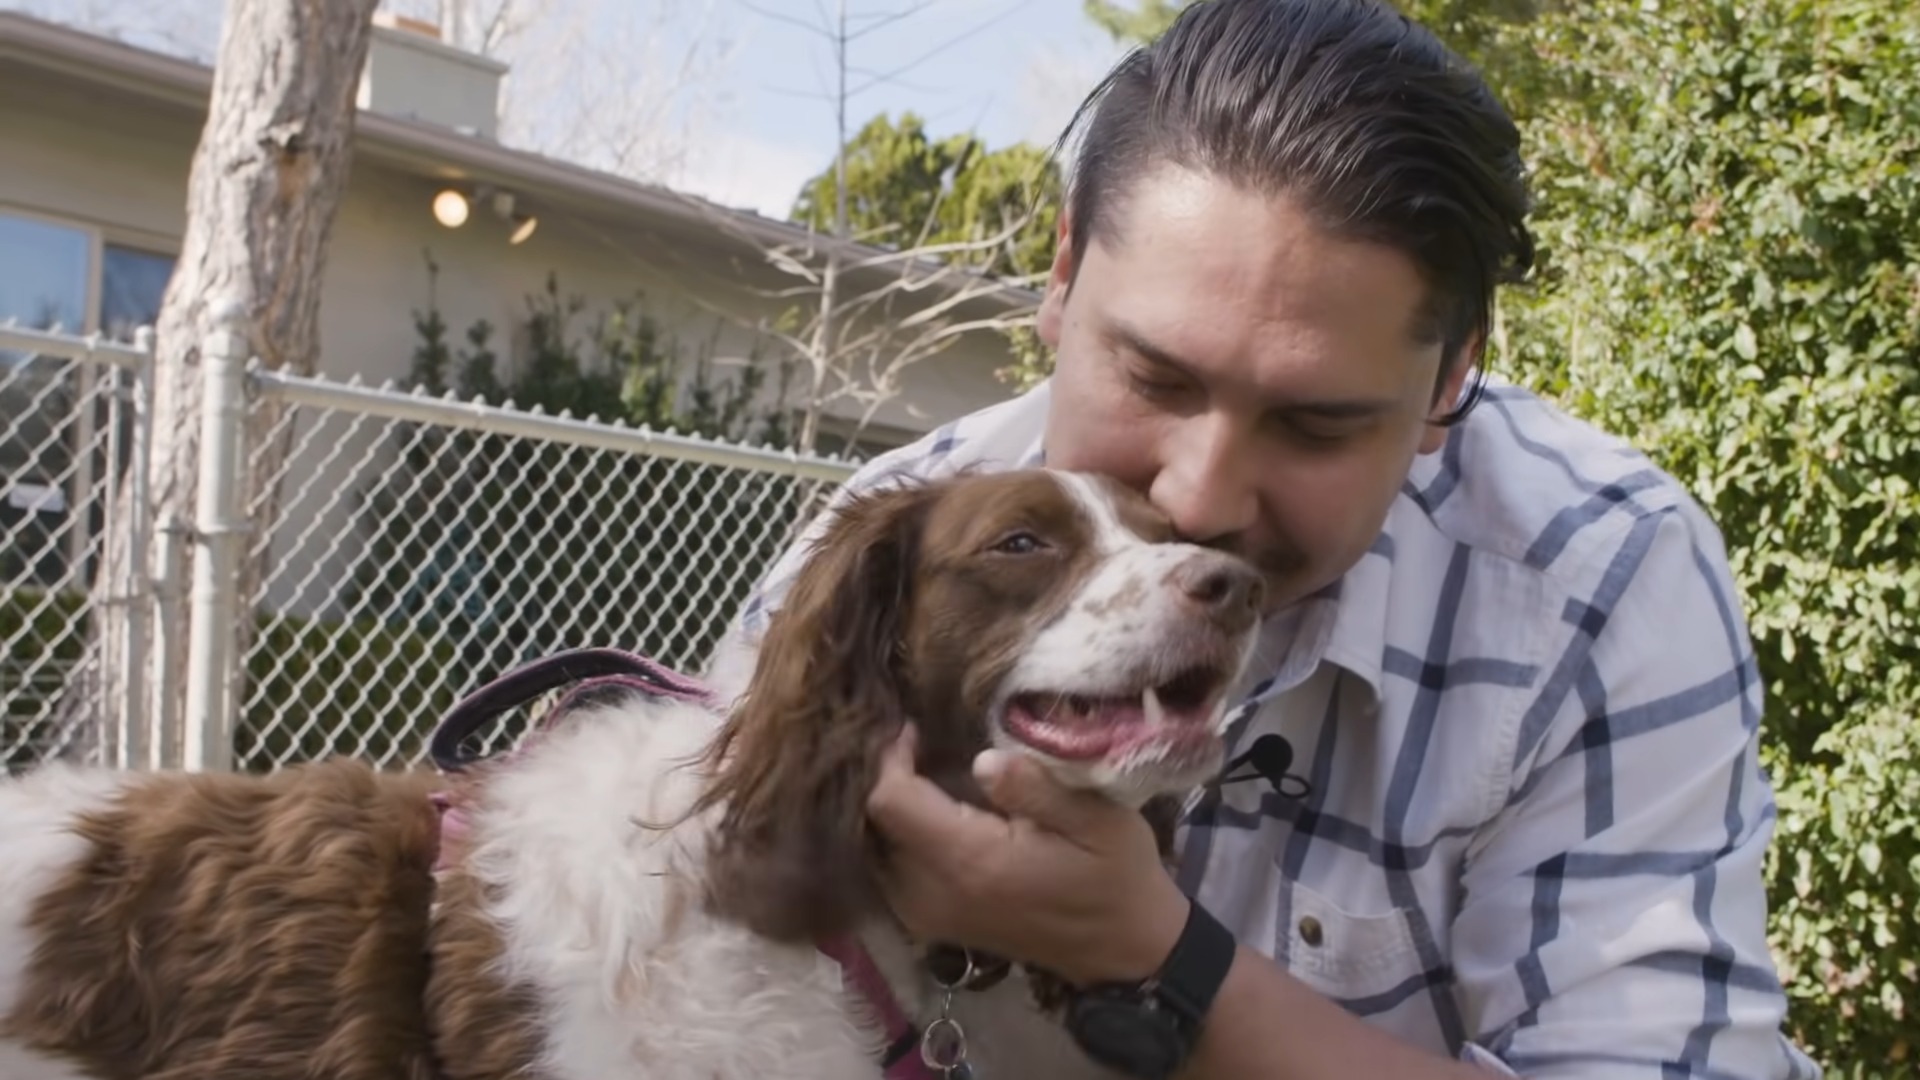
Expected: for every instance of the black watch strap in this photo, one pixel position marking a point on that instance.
(1197, 966)
(1148, 1029)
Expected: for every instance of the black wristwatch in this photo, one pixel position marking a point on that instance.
(1149, 1028)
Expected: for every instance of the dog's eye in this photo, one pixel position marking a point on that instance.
(1019, 543)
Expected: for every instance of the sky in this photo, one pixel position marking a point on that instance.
(1008, 70)
(740, 89)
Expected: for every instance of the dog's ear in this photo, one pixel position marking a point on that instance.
(792, 856)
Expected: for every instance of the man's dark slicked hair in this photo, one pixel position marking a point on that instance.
(1378, 130)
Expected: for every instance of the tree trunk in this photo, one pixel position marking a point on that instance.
(267, 178)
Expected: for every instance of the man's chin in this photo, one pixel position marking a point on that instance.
(1286, 589)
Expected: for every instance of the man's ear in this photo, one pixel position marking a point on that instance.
(1447, 398)
(1059, 283)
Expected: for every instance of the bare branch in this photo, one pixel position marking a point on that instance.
(930, 252)
(854, 317)
(811, 95)
(885, 19)
(782, 17)
(882, 78)
(942, 47)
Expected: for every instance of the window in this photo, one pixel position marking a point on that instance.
(72, 280)
(43, 274)
(838, 436)
(132, 284)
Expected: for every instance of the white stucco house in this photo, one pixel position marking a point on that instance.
(96, 139)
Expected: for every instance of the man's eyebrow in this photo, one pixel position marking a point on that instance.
(1136, 342)
(1348, 409)
(1327, 409)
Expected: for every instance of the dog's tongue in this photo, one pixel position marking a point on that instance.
(1072, 727)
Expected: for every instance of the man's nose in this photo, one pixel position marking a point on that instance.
(1205, 483)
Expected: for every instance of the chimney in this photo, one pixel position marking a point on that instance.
(412, 75)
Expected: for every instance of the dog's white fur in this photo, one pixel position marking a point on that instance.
(603, 916)
(38, 847)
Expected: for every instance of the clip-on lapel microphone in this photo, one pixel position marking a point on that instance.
(1269, 757)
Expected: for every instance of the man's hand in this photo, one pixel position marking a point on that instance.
(1072, 883)
(1069, 881)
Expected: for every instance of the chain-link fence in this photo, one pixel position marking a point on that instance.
(422, 546)
(68, 409)
(383, 554)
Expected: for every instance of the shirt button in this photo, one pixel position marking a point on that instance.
(1310, 931)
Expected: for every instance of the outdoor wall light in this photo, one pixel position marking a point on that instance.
(519, 222)
(450, 208)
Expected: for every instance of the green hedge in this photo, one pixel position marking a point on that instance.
(360, 688)
(314, 688)
(39, 627)
(41, 636)
(1730, 217)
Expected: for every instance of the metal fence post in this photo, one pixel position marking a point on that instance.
(138, 743)
(213, 623)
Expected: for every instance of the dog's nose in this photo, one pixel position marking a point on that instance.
(1226, 587)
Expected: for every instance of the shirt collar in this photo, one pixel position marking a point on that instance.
(1344, 624)
(1358, 638)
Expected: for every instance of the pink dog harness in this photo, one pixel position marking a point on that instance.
(595, 672)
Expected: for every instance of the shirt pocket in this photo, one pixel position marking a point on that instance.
(1347, 955)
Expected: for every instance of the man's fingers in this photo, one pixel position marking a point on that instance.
(912, 811)
(1020, 787)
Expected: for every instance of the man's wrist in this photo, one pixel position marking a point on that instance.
(1144, 940)
(1149, 1026)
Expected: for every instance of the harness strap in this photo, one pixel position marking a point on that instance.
(592, 668)
(596, 669)
(902, 1060)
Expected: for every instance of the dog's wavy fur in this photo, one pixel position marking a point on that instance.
(224, 925)
(793, 856)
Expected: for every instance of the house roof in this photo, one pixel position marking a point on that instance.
(431, 150)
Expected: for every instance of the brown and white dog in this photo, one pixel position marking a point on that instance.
(642, 890)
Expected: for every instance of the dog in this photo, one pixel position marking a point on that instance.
(653, 885)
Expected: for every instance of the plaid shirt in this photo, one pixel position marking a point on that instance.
(1534, 815)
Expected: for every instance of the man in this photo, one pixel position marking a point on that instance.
(1506, 649)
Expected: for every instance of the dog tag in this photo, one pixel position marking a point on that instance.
(944, 1047)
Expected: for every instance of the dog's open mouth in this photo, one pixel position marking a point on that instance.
(1172, 718)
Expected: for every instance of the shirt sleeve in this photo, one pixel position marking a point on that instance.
(1612, 923)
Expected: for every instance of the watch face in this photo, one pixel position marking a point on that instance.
(1131, 1036)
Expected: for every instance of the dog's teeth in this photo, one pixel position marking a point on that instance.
(1150, 703)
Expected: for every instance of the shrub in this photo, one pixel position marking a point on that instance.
(314, 687)
(1730, 219)
(319, 688)
(513, 548)
(42, 635)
